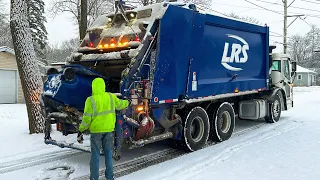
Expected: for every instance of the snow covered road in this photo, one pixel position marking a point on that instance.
(27, 157)
(286, 150)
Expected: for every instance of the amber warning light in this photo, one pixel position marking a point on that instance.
(139, 108)
(113, 43)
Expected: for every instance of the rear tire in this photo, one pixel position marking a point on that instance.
(274, 110)
(223, 122)
(196, 129)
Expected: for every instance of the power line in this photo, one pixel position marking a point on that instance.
(264, 8)
(290, 6)
(275, 22)
(206, 9)
(310, 2)
(276, 36)
(278, 42)
(276, 33)
(247, 7)
(201, 6)
(252, 9)
(275, 3)
(294, 13)
(297, 13)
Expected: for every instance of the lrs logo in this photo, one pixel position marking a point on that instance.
(237, 49)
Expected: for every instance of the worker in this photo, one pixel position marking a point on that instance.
(100, 117)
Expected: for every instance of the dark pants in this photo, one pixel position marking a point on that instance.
(106, 141)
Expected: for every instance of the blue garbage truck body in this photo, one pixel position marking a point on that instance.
(187, 74)
(203, 55)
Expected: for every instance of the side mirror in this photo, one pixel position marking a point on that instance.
(294, 66)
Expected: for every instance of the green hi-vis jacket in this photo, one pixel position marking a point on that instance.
(99, 112)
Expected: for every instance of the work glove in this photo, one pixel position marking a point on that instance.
(86, 132)
(80, 137)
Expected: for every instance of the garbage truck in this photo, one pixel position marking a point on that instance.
(188, 75)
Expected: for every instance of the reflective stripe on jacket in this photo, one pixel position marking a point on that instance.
(99, 111)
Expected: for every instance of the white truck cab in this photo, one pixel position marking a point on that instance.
(282, 75)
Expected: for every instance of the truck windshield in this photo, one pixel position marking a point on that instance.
(276, 65)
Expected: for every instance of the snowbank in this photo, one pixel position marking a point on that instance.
(16, 142)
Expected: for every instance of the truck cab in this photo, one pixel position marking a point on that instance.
(282, 76)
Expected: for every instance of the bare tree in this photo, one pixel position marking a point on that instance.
(61, 53)
(27, 66)
(203, 3)
(94, 8)
(5, 35)
(2, 9)
(83, 18)
(303, 48)
(245, 18)
(298, 47)
(99, 7)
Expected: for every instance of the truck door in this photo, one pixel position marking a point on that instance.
(287, 82)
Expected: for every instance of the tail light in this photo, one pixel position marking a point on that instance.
(137, 39)
(59, 126)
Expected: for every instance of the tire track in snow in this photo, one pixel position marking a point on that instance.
(122, 169)
(157, 157)
(37, 160)
(133, 165)
(203, 163)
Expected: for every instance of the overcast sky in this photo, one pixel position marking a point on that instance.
(63, 28)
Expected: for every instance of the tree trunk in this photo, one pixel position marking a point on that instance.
(83, 18)
(27, 66)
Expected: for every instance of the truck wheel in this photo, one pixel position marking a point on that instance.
(223, 121)
(274, 110)
(196, 129)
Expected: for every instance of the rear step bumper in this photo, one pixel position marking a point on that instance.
(116, 154)
(68, 145)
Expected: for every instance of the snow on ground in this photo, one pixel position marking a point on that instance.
(16, 142)
(288, 149)
(285, 150)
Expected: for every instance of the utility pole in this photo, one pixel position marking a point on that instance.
(285, 22)
(285, 2)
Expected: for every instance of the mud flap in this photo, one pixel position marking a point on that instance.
(117, 138)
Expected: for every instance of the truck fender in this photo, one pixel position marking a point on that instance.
(273, 94)
(282, 96)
